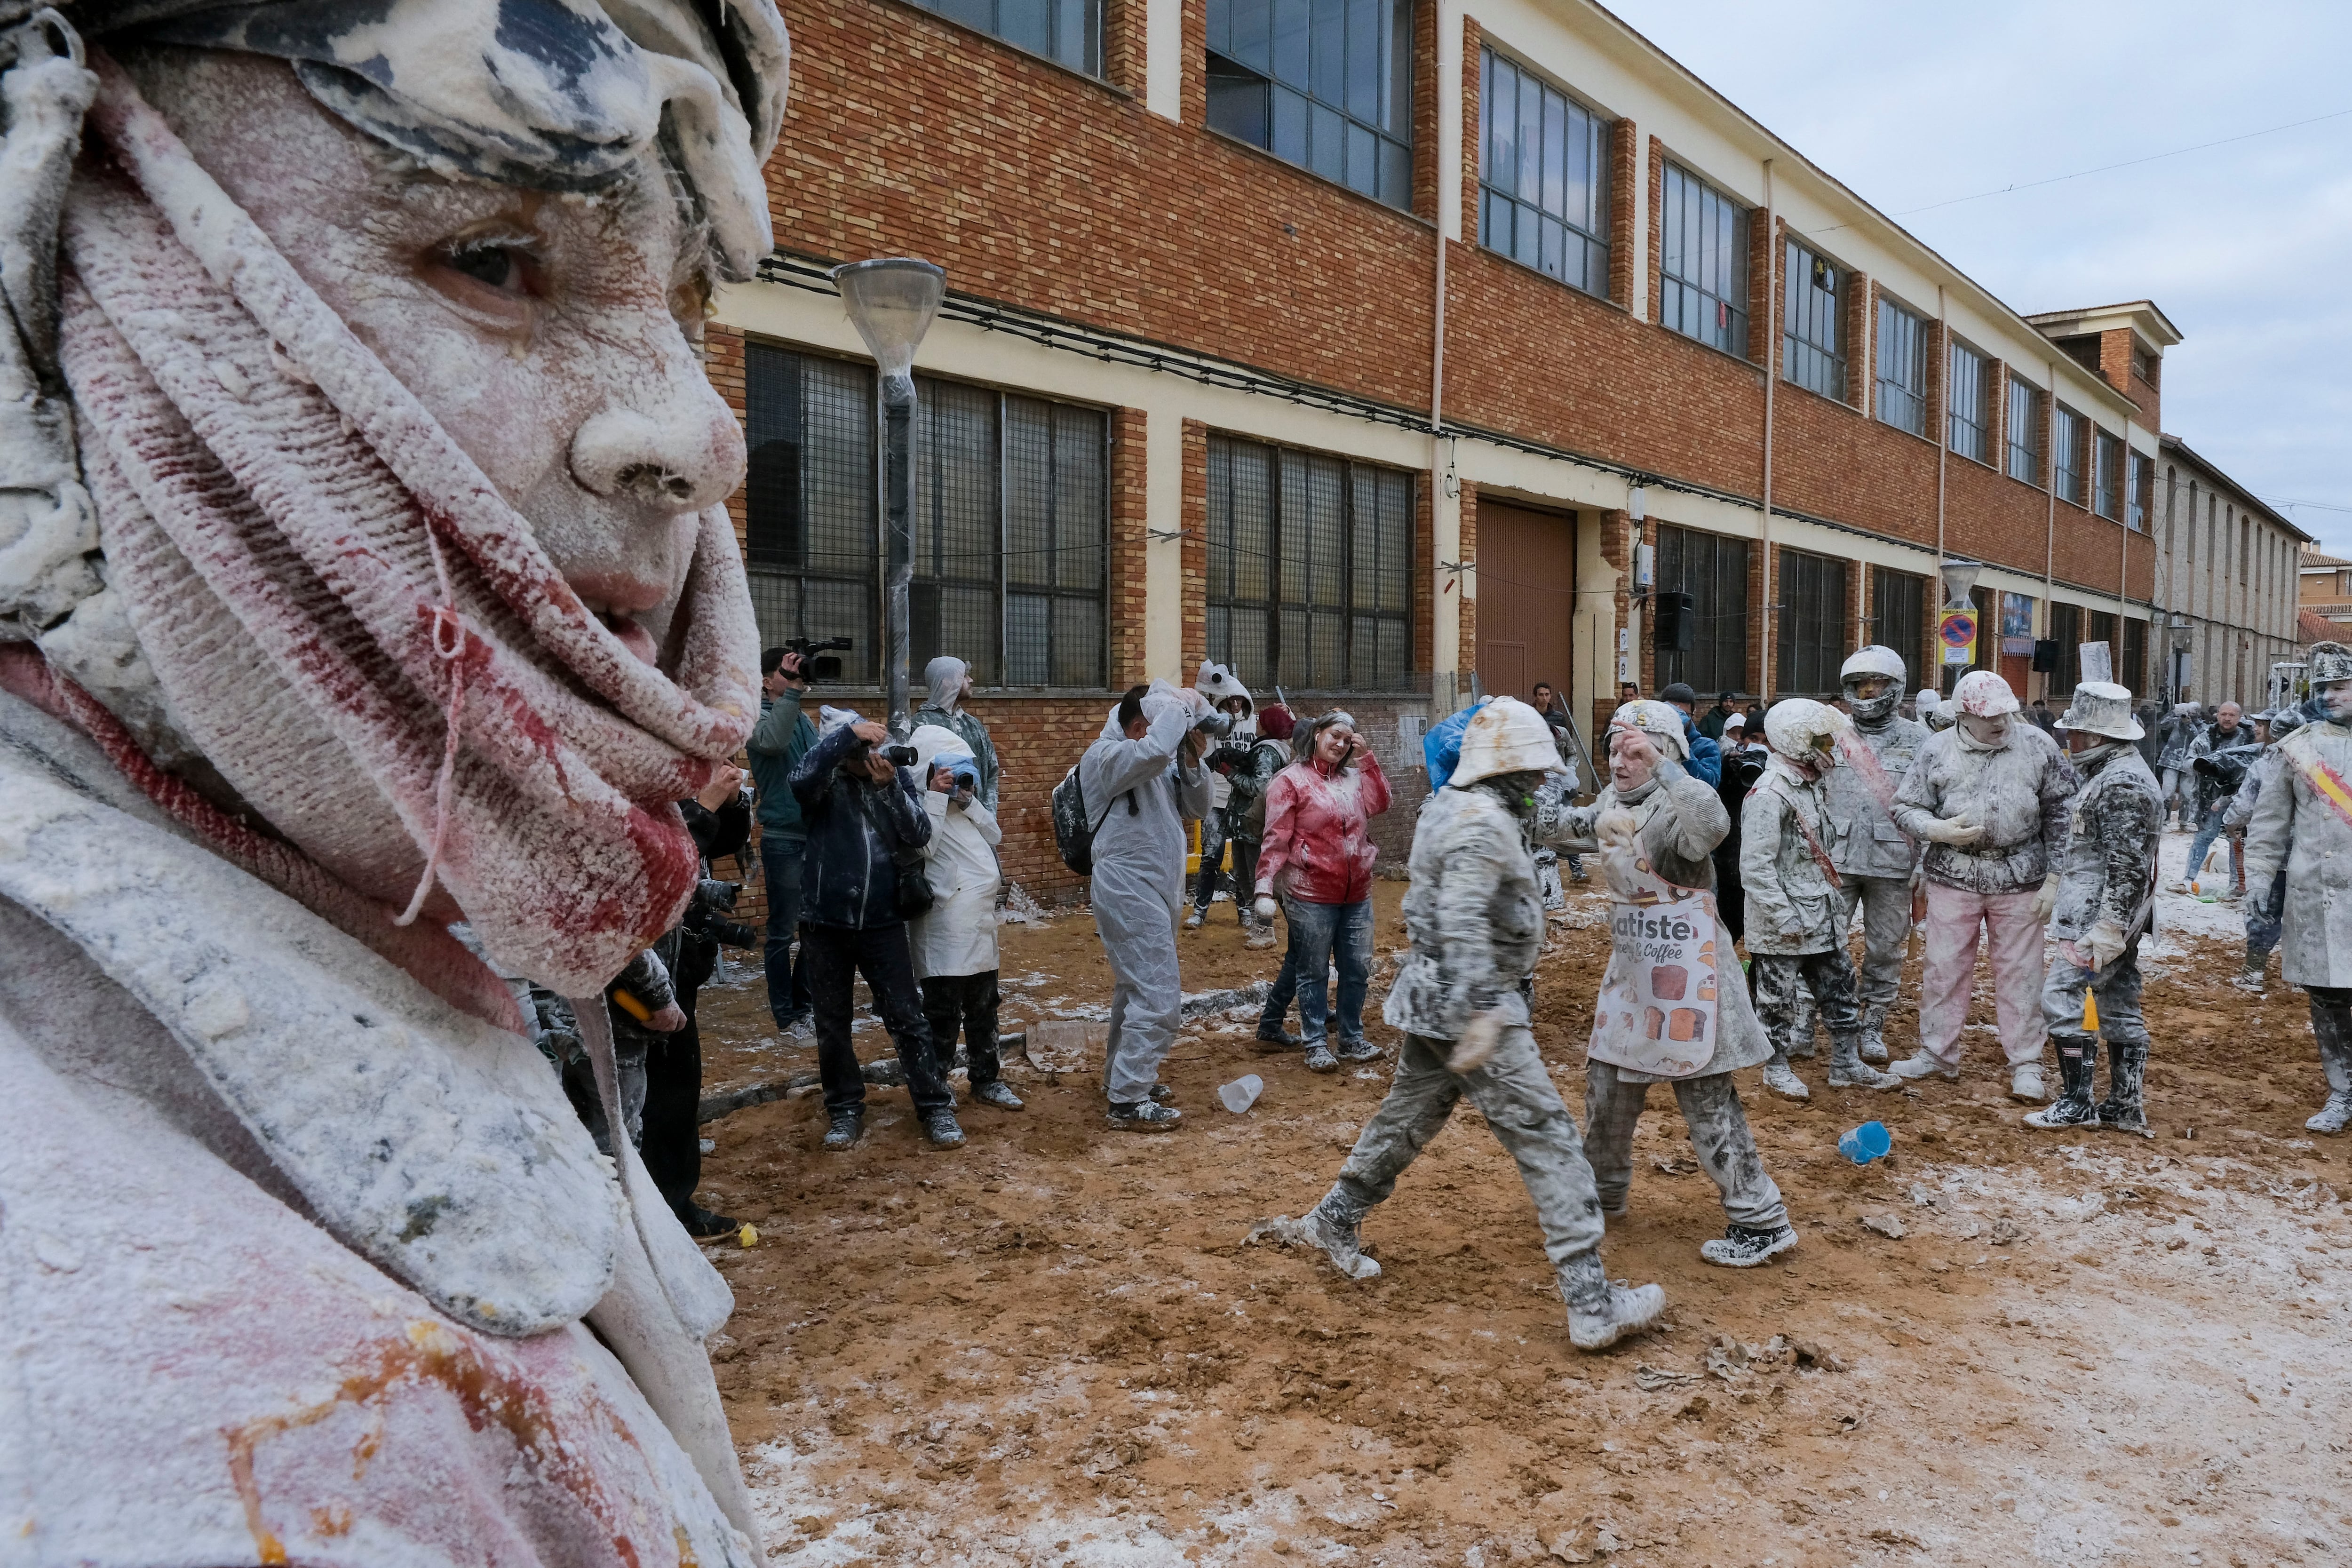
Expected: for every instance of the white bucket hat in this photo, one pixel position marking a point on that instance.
(2102, 708)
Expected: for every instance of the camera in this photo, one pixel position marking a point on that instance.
(814, 668)
(898, 756)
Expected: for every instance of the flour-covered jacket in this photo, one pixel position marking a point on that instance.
(290, 1245)
(2108, 872)
(1319, 831)
(1860, 790)
(2295, 825)
(2265, 769)
(958, 935)
(1678, 821)
(1786, 832)
(2019, 791)
(1474, 915)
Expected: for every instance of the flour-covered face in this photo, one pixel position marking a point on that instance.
(2335, 697)
(1985, 730)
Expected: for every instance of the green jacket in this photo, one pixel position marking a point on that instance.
(778, 741)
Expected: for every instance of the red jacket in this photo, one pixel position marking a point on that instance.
(1319, 843)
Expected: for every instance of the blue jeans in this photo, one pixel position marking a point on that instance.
(788, 992)
(1319, 934)
(2206, 833)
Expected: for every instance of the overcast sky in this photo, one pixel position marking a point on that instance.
(2247, 247)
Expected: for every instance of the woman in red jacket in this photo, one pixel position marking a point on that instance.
(1318, 857)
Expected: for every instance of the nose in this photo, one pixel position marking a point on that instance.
(685, 455)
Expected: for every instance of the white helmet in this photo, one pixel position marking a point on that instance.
(1796, 727)
(1873, 662)
(1661, 722)
(2102, 708)
(1506, 736)
(1982, 694)
(2330, 662)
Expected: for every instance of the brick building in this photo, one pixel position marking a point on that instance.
(2229, 582)
(1392, 349)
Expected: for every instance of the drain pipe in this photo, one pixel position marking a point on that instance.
(1771, 341)
(1943, 451)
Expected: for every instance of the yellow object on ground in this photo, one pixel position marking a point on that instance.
(750, 1235)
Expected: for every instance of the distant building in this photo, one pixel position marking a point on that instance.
(2227, 585)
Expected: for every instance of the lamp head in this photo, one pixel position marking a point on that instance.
(891, 300)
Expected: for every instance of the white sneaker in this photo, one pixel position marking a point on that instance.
(2025, 1083)
(1193, 919)
(1919, 1064)
(1782, 1080)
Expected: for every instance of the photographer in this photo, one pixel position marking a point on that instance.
(950, 679)
(780, 739)
(954, 942)
(863, 812)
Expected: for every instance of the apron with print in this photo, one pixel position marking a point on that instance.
(1656, 1014)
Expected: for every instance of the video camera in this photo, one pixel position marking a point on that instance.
(2227, 767)
(812, 668)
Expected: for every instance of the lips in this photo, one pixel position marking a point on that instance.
(616, 602)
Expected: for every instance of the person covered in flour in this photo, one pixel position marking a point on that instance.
(1674, 1007)
(2303, 825)
(1796, 937)
(1476, 924)
(2106, 898)
(948, 679)
(2266, 907)
(1877, 864)
(363, 570)
(1238, 775)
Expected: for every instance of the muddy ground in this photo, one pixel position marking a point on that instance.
(1054, 1346)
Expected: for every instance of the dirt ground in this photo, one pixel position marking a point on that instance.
(1053, 1346)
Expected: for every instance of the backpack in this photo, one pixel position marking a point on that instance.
(1074, 827)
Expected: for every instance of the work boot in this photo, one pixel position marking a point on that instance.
(2127, 1066)
(1848, 1070)
(1272, 1038)
(1331, 1226)
(1358, 1051)
(998, 1093)
(1600, 1312)
(844, 1130)
(942, 1129)
(1873, 1033)
(2077, 1063)
(2332, 1026)
(1319, 1057)
(1143, 1116)
(2025, 1085)
(1192, 921)
(1919, 1064)
(1740, 1248)
(1782, 1079)
(2254, 978)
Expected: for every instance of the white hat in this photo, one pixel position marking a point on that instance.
(1506, 736)
(1737, 722)
(1217, 682)
(1794, 725)
(1661, 722)
(2330, 662)
(2102, 708)
(1983, 694)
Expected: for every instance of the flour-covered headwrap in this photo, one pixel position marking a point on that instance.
(250, 457)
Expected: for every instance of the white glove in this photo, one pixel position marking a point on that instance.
(2104, 945)
(1957, 831)
(1479, 1038)
(2045, 897)
(1265, 906)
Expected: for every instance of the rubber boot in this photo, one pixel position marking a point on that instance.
(1782, 1079)
(1600, 1313)
(2078, 1056)
(1331, 1227)
(1874, 1034)
(2332, 1026)
(2126, 1065)
(1848, 1070)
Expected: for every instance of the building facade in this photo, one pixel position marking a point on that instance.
(2228, 585)
(1392, 351)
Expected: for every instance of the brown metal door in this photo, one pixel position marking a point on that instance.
(1527, 598)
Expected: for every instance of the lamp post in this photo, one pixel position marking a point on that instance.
(1959, 582)
(891, 300)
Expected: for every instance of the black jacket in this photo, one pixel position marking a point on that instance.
(848, 877)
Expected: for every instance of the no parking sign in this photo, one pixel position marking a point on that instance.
(1958, 634)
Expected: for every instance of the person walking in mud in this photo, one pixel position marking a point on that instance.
(1476, 924)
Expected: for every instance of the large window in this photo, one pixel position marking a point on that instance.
(2066, 631)
(1812, 323)
(1310, 569)
(1898, 607)
(2131, 667)
(2107, 474)
(1813, 625)
(1011, 506)
(1543, 177)
(2139, 491)
(1971, 374)
(1326, 84)
(1703, 262)
(1068, 32)
(2066, 455)
(2025, 432)
(1901, 368)
(1713, 570)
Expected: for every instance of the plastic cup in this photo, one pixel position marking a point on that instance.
(1866, 1143)
(1242, 1093)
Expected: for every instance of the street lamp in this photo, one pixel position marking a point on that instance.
(1959, 580)
(891, 300)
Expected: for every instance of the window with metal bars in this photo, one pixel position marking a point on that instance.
(1713, 570)
(2139, 491)
(2131, 666)
(1898, 608)
(2025, 432)
(1902, 367)
(1812, 323)
(2107, 474)
(1703, 262)
(1011, 521)
(1543, 177)
(1325, 84)
(1067, 32)
(1971, 379)
(2066, 455)
(1310, 569)
(1812, 641)
(2066, 631)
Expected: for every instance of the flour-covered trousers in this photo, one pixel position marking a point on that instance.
(1885, 926)
(2265, 918)
(1719, 1135)
(2014, 946)
(1529, 1118)
(1789, 986)
(1134, 915)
